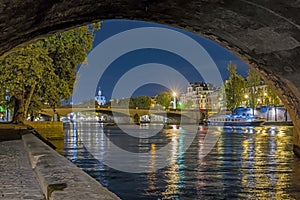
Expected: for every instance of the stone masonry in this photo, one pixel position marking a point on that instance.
(17, 180)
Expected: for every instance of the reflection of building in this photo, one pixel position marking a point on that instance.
(100, 98)
(201, 95)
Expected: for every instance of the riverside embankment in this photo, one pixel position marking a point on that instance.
(30, 169)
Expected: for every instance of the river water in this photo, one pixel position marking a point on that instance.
(245, 163)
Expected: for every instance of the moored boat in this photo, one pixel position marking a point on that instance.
(235, 120)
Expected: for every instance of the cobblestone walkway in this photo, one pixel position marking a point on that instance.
(17, 180)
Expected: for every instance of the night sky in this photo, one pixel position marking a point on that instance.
(128, 61)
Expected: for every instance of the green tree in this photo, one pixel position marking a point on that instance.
(188, 104)
(253, 90)
(163, 99)
(124, 102)
(271, 97)
(142, 102)
(22, 70)
(234, 88)
(44, 71)
(90, 102)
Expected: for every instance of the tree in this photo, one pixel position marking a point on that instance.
(21, 71)
(142, 102)
(234, 88)
(124, 102)
(44, 71)
(271, 97)
(87, 103)
(163, 99)
(188, 104)
(253, 90)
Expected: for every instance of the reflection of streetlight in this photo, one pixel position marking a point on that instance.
(174, 101)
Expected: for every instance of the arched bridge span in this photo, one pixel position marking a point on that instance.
(265, 33)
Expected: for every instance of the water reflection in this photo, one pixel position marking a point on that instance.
(152, 174)
(246, 163)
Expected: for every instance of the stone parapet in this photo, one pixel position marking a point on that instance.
(59, 178)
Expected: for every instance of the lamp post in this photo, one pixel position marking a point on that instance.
(174, 100)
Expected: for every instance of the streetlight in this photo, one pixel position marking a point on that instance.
(174, 100)
(259, 100)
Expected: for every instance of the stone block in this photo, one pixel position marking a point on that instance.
(58, 177)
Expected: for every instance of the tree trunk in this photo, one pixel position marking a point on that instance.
(27, 98)
(19, 111)
(21, 106)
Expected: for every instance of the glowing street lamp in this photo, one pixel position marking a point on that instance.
(259, 101)
(174, 100)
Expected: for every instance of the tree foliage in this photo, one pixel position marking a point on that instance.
(45, 70)
(253, 89)
(188, 104)
(271, 98)
(141, 102)
(163, 99)
(234, 88)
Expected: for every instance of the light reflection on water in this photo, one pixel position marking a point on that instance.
(246, 163)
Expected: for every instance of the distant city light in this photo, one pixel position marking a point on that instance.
(174, 101)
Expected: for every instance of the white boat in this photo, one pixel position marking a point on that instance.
(235, 120)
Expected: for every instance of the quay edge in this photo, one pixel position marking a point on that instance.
(60, 179)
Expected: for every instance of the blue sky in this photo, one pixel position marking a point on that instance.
(126, 62)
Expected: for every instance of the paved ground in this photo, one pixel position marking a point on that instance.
(17, 180)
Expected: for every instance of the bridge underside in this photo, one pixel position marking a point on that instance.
(265, 33)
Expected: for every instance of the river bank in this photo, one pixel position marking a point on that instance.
(47, 174)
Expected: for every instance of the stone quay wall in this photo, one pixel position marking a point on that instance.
(60, 179)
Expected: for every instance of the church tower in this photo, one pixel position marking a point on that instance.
(100, 98)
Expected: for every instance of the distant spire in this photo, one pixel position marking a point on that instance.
(99, 92)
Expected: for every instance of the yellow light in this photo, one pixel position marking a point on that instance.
(174, 94)
(246, 96)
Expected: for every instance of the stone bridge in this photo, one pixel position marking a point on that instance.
(126, 112)
(263, 33)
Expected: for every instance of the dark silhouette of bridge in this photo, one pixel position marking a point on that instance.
(132, 113)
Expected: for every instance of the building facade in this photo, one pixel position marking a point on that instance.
(201, 95)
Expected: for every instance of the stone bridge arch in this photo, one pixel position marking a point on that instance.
(265, 34)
